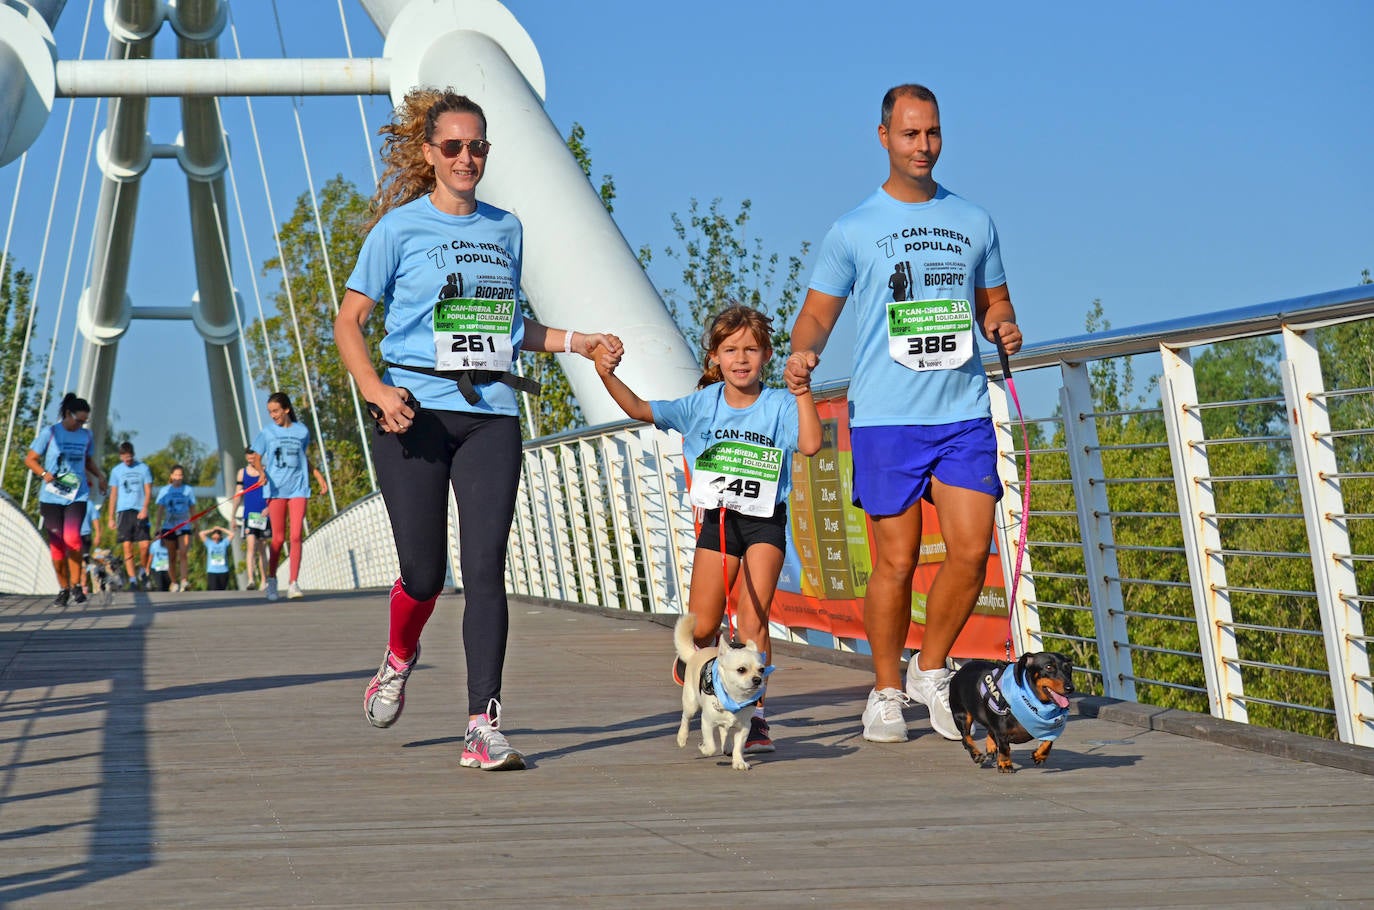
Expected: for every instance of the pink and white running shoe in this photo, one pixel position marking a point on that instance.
(486, 747)
(386, 693)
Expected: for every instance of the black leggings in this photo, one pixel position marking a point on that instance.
(479, 457)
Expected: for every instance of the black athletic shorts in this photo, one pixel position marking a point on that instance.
(217, 581)
(131, 528)
(743, 531)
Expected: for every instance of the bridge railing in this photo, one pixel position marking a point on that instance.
(25, 566)
(1203, 539)
(1188, 550)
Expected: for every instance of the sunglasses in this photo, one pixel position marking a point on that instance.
(452, 148)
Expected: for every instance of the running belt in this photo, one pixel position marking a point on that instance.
(468, 380)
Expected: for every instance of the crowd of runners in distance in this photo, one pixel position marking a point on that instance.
(156, 527)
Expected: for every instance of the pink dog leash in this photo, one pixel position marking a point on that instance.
(1025, 488)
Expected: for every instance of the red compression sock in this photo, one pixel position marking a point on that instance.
(408, 618)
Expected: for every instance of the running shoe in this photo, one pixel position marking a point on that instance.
(758, 740)
(271, 589)
(883, 719)
(386, 693)
(78, 596)
(931, 688)
(679, 670)
(486, 747)
(61, 599)
(293, 592)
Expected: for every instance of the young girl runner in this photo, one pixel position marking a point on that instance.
(62, 456)
(279, 452)
(445, 268)
(175, 504)
(734, 419)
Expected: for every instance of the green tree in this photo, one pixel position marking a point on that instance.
(16, 309)
(1347, 358)
(578, 146)
(300, 337)
(1251, 470)
(721, 263)
(197, 460)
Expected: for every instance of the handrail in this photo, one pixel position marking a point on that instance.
(1171, 600)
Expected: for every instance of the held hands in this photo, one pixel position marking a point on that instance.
(608, 354)
(586, 344)
(1005, 335)
(797, 371)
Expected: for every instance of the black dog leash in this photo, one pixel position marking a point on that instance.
(376, 412)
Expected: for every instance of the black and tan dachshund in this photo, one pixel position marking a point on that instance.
(1015, 703)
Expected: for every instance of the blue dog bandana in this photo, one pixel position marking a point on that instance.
(713, 685)
(1041, 720)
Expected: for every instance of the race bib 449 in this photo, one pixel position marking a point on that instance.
(739, 476)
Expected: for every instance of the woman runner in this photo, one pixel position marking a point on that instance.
(446, 270)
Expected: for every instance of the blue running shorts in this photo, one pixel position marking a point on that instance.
(893, 464)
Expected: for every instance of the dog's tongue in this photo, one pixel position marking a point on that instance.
(1059, 700)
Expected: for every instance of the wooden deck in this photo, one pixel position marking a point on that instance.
(203, 750)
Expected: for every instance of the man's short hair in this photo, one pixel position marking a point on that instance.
(905, 90)
(126, 447)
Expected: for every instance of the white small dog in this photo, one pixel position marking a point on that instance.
(724, 683)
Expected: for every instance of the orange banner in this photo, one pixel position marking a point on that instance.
(829, 554)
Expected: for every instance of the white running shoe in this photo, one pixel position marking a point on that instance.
(931, 688)
(486, 747)
(883, 719)
(385, 696)
(293, 592)
(271, 589)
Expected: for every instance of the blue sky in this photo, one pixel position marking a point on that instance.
(1168, 158)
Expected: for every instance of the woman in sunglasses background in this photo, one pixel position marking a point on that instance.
(446, 269)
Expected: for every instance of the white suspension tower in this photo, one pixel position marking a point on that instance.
(578, 271)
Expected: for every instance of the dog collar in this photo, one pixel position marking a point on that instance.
(710, 683)
(1041, 720)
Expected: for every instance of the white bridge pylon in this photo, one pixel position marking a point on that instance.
(579, 272)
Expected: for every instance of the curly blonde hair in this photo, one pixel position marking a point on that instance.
(729, 321)
(407, 176)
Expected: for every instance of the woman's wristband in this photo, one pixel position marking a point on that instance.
(567, 341)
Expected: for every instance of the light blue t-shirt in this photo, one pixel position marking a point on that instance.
(417, 256)
(283, 460)
(216, 561)
(177, 503)
(703, 418)
(885, 252)
(161, 559)
(130, 482)
(64, 457)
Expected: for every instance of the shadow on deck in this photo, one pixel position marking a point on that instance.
(209, 750)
